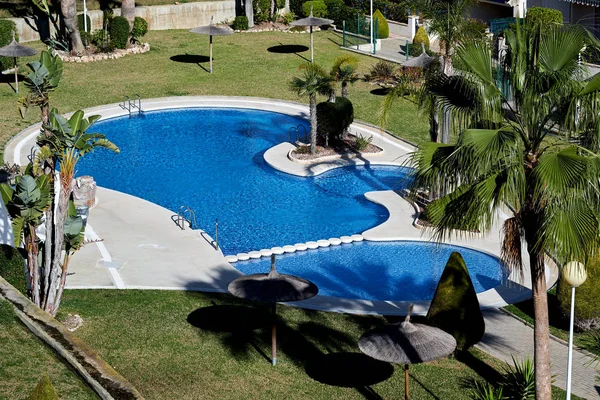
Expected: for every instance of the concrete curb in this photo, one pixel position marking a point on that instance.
(101, 377)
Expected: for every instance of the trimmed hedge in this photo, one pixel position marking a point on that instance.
(119, 32)
(383, 29)
(334, 118)
(587, 298)
(6, 29)
(140, 28)
(44, 390)
(546, 17)
(455, 308)
(240, 23)
(319, 9)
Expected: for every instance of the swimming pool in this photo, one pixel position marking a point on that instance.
(393, 271)
(211, 159)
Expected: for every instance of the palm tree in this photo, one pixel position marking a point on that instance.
(537, 154)
(314, 80)
(128, 12)
(68, 10)
(344, 72)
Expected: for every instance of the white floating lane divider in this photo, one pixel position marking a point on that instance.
(266, 253)
(243, 256)
(300, 246)
(323, 243)
(231, 259)
(357, 238)
(277, 250)
(346, 239)
(335, 241)
(312, 245)
(254, 254)
(289, 249)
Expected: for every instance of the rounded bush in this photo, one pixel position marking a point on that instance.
(383, 29)
(119, 32)
(587, 298)
(319, 9)
(140, 28)
(334, 118)
(6, 29)
(240, 23)
(546, 17)
(420, 37)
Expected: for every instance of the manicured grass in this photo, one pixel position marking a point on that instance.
(146, 336)
(24, 358)
(243, 66)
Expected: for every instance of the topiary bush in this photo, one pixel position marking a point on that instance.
(319, 9)
(140, 28)
(6, 29)
(545, 17)
(240, 23)
(455, 308)
(81, 25)
(334, 118)
(421, 37)
(44, 390)
(119, 32)
(587, 301)
(383, 29)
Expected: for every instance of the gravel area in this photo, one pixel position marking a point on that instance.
(344, 148)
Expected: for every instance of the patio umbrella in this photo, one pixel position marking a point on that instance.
(311, 21)
(407, 343)
(15, 50)
(211, 31)
(422, 61)
(273, 288)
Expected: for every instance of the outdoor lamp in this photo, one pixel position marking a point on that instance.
(574, 275)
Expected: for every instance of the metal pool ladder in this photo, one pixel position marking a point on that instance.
(186, 214)
(296, 130)
(131, 105)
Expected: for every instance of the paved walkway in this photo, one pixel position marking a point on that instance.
(507, 337)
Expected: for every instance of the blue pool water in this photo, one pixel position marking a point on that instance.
(212, 160)
(394, 271)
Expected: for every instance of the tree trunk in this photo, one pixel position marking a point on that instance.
(445, 125)
(69, 13)
(313, 124)
(32, 264)
(249, 9)
(272, 11)
(344, 89)
(434, 124)
(332, 96)
(128, 12)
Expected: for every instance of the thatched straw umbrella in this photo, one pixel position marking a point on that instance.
(15, 50)
(311, 21)
(407, 343)
(211, 31)
(273, 288)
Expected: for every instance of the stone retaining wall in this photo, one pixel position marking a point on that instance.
(180, 16)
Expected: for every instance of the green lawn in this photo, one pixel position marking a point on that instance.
(24, 358)
(243, 66)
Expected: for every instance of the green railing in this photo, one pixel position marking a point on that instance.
(357, 34)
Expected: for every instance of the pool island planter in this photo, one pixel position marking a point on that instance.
(345, 156)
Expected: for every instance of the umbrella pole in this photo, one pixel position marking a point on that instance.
(405, 381)
(210, 54)
(16, 76)
(274, 336)
(312, 56)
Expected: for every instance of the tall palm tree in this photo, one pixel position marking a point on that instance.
(538, 155)
(68, 10)
(128, 12)
(343, 71)
(314, 81)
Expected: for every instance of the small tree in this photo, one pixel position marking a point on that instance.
(314, 80)
(455, 308)
(44, 390)
(343, 71)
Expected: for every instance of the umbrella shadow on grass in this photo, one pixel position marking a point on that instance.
(352, 370)
(192, 59)
(289, 49)
(10, 79)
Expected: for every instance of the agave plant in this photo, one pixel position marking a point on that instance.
(481, 390)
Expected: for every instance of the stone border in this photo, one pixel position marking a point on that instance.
(116, 54)
(349, 156)
(97, 373)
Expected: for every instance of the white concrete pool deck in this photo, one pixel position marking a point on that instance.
(142, 248)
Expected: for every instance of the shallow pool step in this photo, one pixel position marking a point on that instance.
(292, 249)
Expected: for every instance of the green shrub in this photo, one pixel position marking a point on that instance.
(319, 9)
(587, 303)
(44, 390)
(383, 29)
(455, 308)
(337, 11)
(296, 7)
(81, 25)
(261, 10)
(119, 32)
(288, 18)
(421, 37)
(240, 23)
(140, 28)
(6, 29)
(334, 118)
(545, 17)
(12, 267)
(361, 142)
